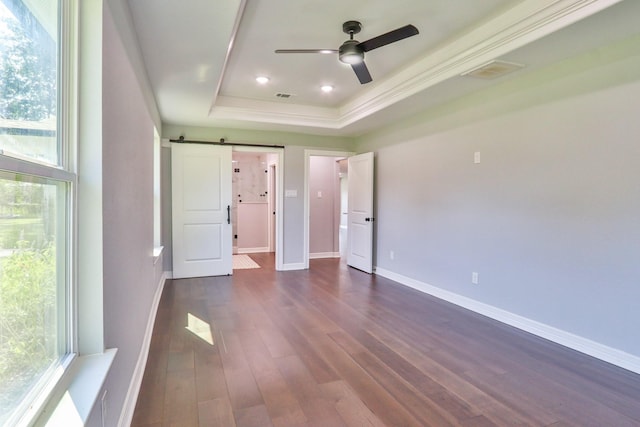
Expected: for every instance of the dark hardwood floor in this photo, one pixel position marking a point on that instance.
(333, 346)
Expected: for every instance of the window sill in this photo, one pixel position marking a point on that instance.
(75, 405)
(157, 252)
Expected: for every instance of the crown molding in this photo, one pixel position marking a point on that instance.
(524, 23)
(230, 108)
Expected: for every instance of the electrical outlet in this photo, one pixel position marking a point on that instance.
(474, 278)
(476, 157)
(392, 255)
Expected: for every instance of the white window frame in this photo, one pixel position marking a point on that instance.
(65, 172)
(80, 376)
(35, 400)
(157, 196)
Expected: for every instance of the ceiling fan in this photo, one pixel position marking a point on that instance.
(352, 51)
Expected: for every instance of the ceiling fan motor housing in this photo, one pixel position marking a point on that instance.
(350, 52)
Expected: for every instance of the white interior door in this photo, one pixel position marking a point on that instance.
(360, 212)
(201, 194)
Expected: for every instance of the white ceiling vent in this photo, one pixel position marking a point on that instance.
(493, 69)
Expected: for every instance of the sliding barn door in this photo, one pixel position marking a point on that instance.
(201, 194)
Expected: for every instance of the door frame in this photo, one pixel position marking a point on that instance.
(273, 170)
(307, 156)
(279, 207)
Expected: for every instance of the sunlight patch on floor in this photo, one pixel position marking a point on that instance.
(199, 328)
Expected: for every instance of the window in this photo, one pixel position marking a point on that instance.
(157, 238)
(36, 195)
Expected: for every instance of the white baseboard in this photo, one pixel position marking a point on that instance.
(558, 336)
(319, 255)
(252, 250)
(293, 266)
(126, 416)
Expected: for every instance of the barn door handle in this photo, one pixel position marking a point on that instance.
(228, 214)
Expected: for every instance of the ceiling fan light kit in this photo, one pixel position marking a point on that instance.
(352, 51)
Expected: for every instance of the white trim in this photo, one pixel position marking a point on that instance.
(305, 190)
(73, 405)
(252, 250)
(126, 416)
(293, 266)
(319, 255)
(157, 252)
(527, 21)
(234, 33)
(558, 336)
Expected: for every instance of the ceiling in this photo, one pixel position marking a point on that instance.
(202, 57)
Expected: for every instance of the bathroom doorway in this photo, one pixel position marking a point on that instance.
(255, 201)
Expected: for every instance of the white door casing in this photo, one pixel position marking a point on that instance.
(360, 214)
(201, 194)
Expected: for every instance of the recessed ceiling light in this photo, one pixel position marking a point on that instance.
(326, 88)
(263, 80)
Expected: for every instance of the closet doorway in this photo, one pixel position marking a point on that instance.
(325, 231)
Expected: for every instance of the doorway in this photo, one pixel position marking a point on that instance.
(324, 204)
(255, 189)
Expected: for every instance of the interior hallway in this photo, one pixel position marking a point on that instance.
(332, 346)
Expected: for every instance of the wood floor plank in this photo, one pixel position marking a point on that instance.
(351, 408)
(458, 385)
(416, 397)
(209, 373)
(332, 346)
(241, 384)
(180, 403)
(281, 403)
(319, 409)
(306, 350)
(372, 394)
(150, 404)
(255, 416)
(216, 413)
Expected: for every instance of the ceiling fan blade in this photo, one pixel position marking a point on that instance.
(362, 72)
(306, 50)
(387, 38)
